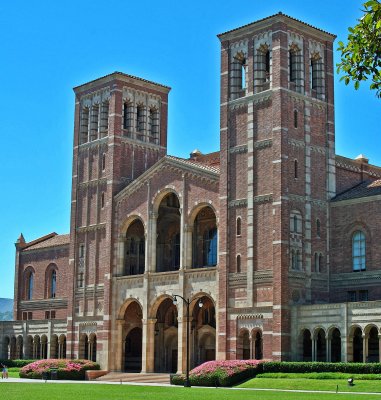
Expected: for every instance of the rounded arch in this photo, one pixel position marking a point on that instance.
(200, 296)
(152, 312)
(357, 338)
(129, 221)
(305, 339)
(320, 338)
(334, 336)
(161, 194)
(198, 207)
(126, 304)
(205, 238)
(368, 328)
(54, 346)
(51, 272)
(353, 328)
(371, 335)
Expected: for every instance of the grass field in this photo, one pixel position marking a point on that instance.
(373, 386)
(55, 391)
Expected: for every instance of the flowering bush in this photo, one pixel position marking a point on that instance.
(66, 369)
(221, 373)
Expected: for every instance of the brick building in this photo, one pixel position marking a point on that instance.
(275, 238)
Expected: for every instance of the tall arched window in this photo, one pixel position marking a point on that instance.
(53, 284)
(238, 230)
(317, 262)
(318, 227)
(29, 285)
(358, 251)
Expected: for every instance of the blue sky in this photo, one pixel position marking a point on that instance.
(49, 47)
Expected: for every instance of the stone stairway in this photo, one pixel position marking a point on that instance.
(127, 377)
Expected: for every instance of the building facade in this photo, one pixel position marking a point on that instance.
(274, 239)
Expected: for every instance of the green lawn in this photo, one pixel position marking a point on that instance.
(373, 386)
(55, 391)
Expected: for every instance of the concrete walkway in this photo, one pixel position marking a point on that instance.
(40, 381)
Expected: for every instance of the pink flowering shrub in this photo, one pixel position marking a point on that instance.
(66, 369)
(221, 373)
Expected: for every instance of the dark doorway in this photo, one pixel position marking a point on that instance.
(133, 351)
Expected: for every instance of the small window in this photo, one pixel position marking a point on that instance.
(238, 263)
(102, 200)
(320, 263)
(296, 169)
(103, 162)
(52, 314)
(351, 295)
(81, 251)
(47, 314)
(30, 315)
(29, 285)
(238, 230)
(316, 263)
(295, 220)
(358, 251)
(296, 260)
(318, 227)
(53, 283)
(24, 316)
(140, 118)
(295, 118)
(363, 295)
(80, 280)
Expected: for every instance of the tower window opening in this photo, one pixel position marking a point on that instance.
(94, 122)
(103, 125)
(238, 75)
(295, 118)
(262, 68)
(103, 162)
(238, 230)
(318, 227)
(140, 118)
(316, 75)
(102, 200)
(296, 68)
(238, 263)
(295, 169)
(84, 126)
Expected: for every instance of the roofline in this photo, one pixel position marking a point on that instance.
(358, 162)
(280, 17)
(119, 75)
(138, 181)
(39, 240)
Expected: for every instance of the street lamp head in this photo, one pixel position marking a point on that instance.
(200, 303)
(175, 300)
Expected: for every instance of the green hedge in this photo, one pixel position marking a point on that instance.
(66, 369)
(302, 367)
(220, 373)
(16, 363)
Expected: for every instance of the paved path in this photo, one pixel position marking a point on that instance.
(40, 381)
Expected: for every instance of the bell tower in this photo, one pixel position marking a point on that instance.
(120, 131)
(277, 176)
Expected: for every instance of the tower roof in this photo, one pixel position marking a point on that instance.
(275, 17)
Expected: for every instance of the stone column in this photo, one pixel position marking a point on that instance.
(152, 236)
(314, 345)
(364, 348)
(328, 346)
(252, 355)
(121, 255)
(181, 342)
(182, 237)
(119, 349)
(150, 345)
(188, 233)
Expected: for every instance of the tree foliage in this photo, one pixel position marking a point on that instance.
(361, 57)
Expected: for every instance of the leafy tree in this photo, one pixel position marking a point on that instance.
(361, 57)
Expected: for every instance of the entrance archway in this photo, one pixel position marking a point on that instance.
(133, 338)
(335, 346)
(357, 345)
(166, 337)
(203, 335)
(258, 345)
(307, 346)
(321, 349)
(373, 346)
(133, 350)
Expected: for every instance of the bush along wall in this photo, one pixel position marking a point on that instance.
(15, 363)
(221, 373)
(65, 369)
(301, 367)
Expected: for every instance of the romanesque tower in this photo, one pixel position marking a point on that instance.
(277, 126)
(120, 131)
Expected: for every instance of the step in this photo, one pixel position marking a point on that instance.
(130, 377)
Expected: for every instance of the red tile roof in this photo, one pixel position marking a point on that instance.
(272, 16)
(211, 167)
(364, 189)
(51, 240)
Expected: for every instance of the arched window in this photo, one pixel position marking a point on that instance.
(238, 263)
(102, 200)
(238, 229)
(296, 169)
(318, 227)
(128, 115)
(84, 128)
(140, 118)
(29, 285)
(94, 122)
(296, 68)
(53, 283)
(103, 126)
(262, 68)
(358, 251)
(295, 118)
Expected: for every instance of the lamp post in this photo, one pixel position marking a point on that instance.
(187, 303)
